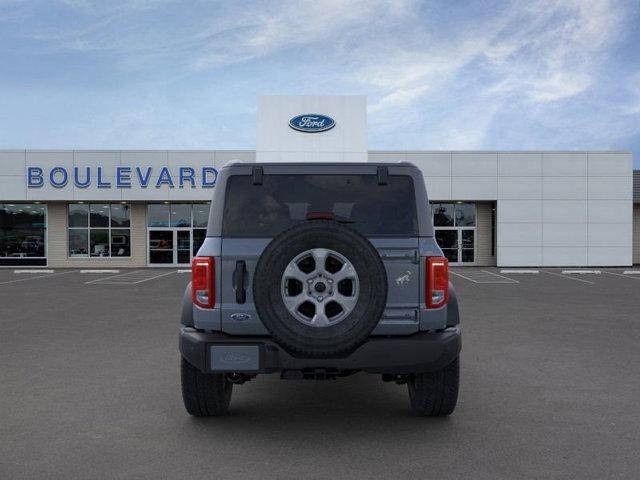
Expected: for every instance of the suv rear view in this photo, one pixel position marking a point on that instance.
(316, 271)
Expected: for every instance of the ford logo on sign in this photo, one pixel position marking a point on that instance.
(312, 123)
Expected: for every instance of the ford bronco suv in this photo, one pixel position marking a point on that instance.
(318, 271)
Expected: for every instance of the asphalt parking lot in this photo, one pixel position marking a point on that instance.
(89, 388)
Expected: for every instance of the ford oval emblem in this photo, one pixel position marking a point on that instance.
(312, 123)
(240, 317)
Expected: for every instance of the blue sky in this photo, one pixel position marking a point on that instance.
(438, 75)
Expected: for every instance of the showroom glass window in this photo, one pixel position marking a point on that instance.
(23, 228)
(455, 230)
(99, 230)
(176, 231)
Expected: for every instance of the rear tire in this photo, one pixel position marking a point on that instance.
(435, 394)
(204, 394)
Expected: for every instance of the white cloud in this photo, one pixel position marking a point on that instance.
(534, 53)
(255, 33)
(433, 80)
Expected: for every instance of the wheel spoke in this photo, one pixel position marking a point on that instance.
(293, 271)
(347, 271)
(293, 303)
(347, 303)
(320, 318)
(320, 258)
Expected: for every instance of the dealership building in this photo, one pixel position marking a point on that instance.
(139, 208)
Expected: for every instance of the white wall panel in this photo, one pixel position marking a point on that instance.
(606, 164)
(197, 160)
(354, 156)
(12, 188)
(47, 192)
(519, 234)
(569, 164)
(519, 211)
(610, 211)
(432, 163)
(520, 188)
(222, 157)
(564, 211)
(519, 256)
(564, 256)
(155, 159)
(92, 192)
(609, 256)
(191, 194)
(474, 164)
(564, 188)
(610, 234)
(474, 188)
(520, 164)
(50, 159)
(108, 160)
(273, 133)
(438, 188)
(391, 157)
(611, 188)
(564, 235)
(12, 162)
(151, 193)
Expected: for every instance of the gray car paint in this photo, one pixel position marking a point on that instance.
(405, 312)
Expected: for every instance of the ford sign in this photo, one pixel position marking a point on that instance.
(312, 123)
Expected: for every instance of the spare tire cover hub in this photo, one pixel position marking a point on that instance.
(320, 287)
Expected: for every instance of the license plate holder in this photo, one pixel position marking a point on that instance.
(234, 358)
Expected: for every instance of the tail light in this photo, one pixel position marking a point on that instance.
(437, 281)
(203, 282)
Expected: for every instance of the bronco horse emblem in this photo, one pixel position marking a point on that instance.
(403, 280)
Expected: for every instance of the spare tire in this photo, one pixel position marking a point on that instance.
(320, 288)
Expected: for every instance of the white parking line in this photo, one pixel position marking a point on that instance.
(129, 278)
(567, 277)
(33, 271)
(34, 278)
(466, 278)
(511, 280)
(153, 278)
(631, 272)
(99, 271)
(100, 279)
(519, 271)
(184, 270)
(623, 276)
(581, 272)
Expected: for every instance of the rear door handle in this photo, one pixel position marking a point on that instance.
(238, 281)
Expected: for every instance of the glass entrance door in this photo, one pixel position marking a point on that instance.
(169, 247)
(183, 247)
(457, 244)
(455, 230)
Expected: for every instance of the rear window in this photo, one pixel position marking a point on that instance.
(285, 200)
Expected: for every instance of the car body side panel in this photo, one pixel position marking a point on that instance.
(240, 318)
(402, 262)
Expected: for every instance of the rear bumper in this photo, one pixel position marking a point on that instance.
(420, 352)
